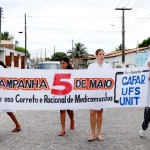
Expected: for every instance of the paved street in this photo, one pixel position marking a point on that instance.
(40, 129)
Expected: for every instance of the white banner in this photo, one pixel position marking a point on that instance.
(73, 89)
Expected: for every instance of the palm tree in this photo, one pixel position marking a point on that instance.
(118, 48)
(6, 36)
(79, 50)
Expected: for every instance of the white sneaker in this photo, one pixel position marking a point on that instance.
(141, 133)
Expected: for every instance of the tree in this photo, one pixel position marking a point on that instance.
(79, 50)
(16, 43)
(118, 48)
(6, 36)
(145, 43)
(22, 49)
(57, 56)
(48, 59)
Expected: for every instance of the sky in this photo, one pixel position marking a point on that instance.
(95, 23)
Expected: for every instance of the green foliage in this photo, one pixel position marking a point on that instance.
(48, 59)
(87, 65)
(6, 36)
(21, 49)
(118, 48)
(57, 56)
(145, 43)
(79, 51)
(118, 66)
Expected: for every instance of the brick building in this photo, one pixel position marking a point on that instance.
(10, 56)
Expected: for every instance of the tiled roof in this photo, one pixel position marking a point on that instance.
(118, 53)
(127, 51)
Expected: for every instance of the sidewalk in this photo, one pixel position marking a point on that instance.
(40, 131)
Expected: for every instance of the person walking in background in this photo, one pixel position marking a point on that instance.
(66, 65)
(146, 111)
(96, 115)
(11, 114)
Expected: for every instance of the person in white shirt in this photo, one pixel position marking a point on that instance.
(96, 115)
(11, 114)
(146, 111)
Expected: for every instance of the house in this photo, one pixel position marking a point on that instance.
(78, 63)
(10, 56)
(7, 44)
(133, 58)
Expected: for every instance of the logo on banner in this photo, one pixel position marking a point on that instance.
(130, 91)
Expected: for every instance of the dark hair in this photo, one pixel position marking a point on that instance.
(98, 50)
(66, 59)
(2, 64)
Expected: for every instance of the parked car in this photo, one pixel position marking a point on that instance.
(49, 65)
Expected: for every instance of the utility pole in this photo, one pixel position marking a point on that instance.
(41, 55)
(123, 31)
(25, 40)
(0, 24)
(54, 52)
(37, 56)
(72, 50)
(45, 54)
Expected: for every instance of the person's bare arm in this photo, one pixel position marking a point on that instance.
(148, 66)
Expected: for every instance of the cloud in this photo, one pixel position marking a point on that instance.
(57, 22)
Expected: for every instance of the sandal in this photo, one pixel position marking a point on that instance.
(62, 133)
(99, 138)
(91, 138)
(72, 125)
(16, 130)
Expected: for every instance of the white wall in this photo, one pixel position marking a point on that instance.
(91, 61)
(6, 52)
(130, 59)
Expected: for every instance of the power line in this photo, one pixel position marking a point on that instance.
(138, 5)
(127, 3)
(135, 4)
(14, 17)
(74, 17)
(137, 18)
(138, 22)
(68, 30)
(119, 4)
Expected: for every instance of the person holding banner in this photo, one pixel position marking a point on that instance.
(11, 114)
(96, 115)
(146, 111)
(66, 65)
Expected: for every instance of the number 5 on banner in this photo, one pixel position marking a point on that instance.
(58, 82)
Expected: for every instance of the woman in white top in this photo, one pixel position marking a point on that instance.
(11, 114)
(96, 115)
